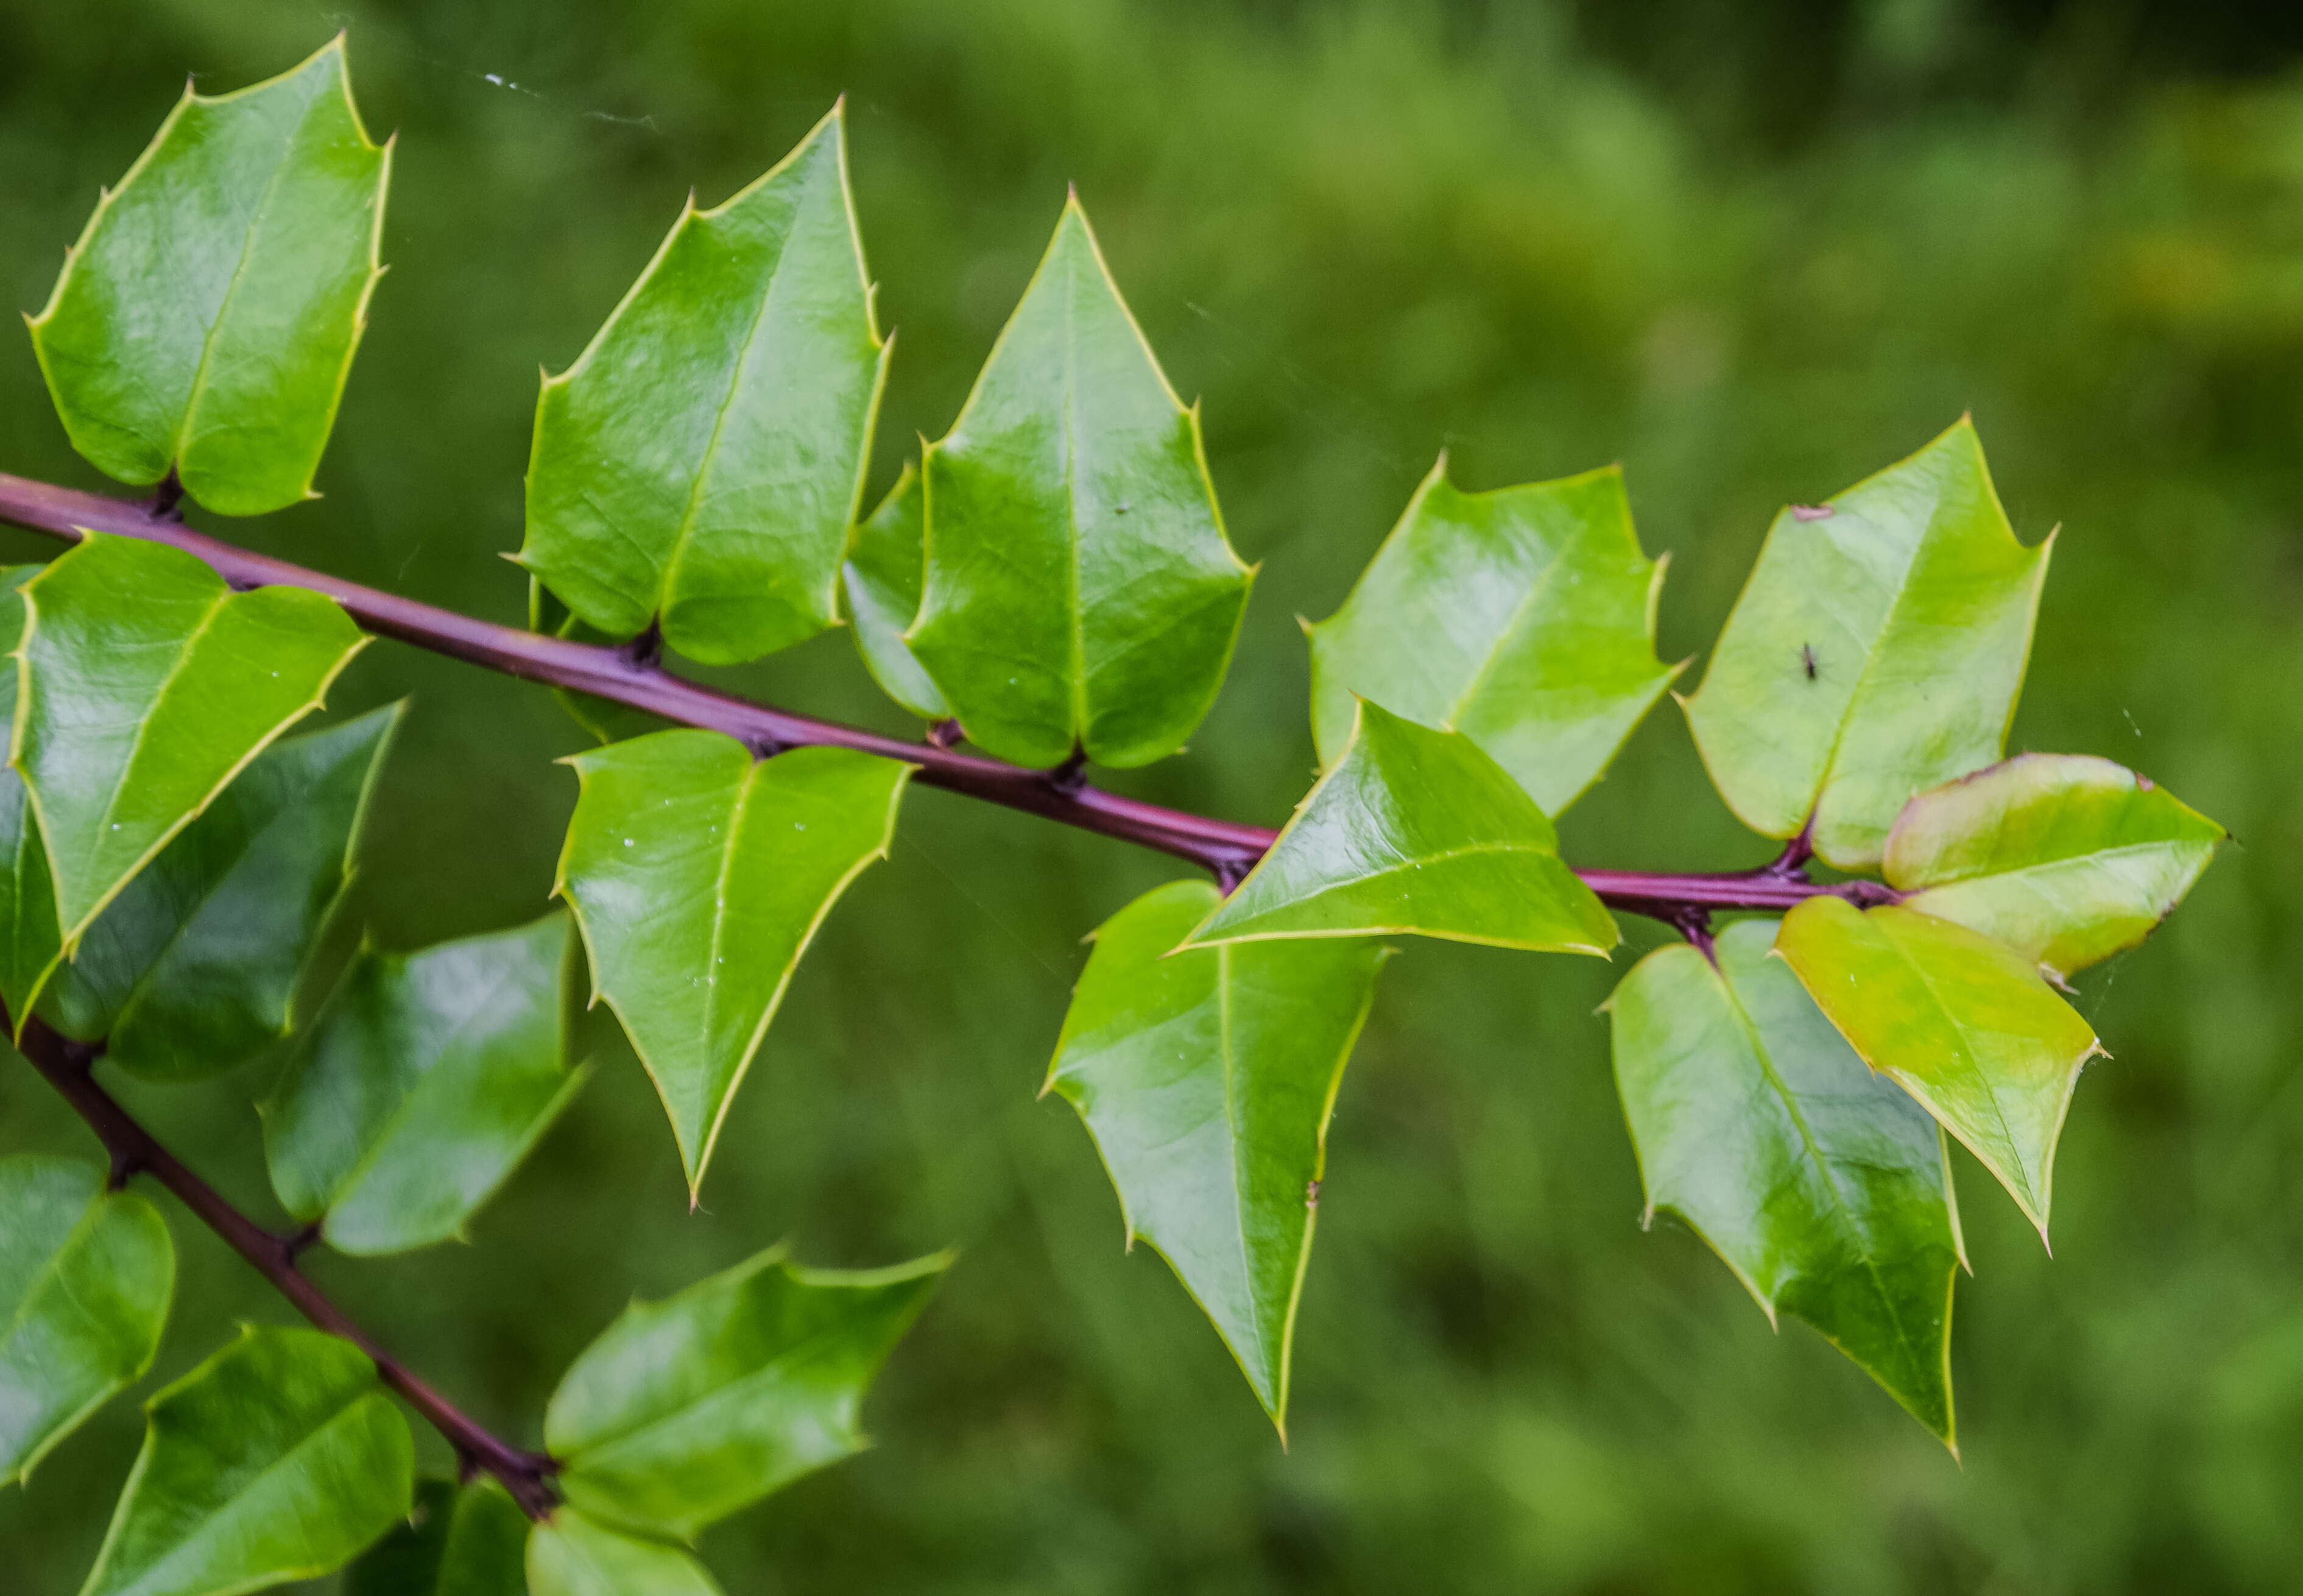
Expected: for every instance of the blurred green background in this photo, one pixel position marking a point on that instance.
(1752, 252)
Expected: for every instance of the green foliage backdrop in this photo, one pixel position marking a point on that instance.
(1360, 234)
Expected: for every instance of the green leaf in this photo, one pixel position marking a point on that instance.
(885, 574)
(148, 686)
(1824, 1187)
(85, 1279)
(1080, 589)
(1207, 1078)
(279, 1458)
(206, 319)
(2064, 858)
(194, 968)
(1523, 618)
(1962, 1023)
(421, 1085)
(1415, 832)
(458, 1541)
(607, 721)
(687, 1410)
(701, 460)
(29, 942)
(1912, 601)
(573, 1556)
(699, 877)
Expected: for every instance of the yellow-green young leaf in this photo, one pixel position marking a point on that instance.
(466, 1540)
(30, 941)
(575, 1556)
(85, 1279)
(1523, 618)
(279, 1458)
(1876, 651)
(883, 577)
(194, 968)
(701, 462)
(699, 875)
(1824, 1187)
(206, 319)
(687, 1410)
(607, 721)
(419, 1086)
(1415, 832)
(147, 686)
(1962, 1023)
(2066, 857)
(1207, 1079)
(1080, 592)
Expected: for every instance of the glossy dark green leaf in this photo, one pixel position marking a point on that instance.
(1962, 1023)
(30, 941)
(1824, 1187)
(1523, 618)
(606, 720)
(576, 1556)
(699, 875)
(884, 573)
(279, 1458)
(701, 460)
(206, 319)
(194, 968)
(459, 1540)
(86, 1276)
(1415, 832)
(421, 1085)
(686, 1410)
(1080, 590)
(1207, 1078)
(1877, 652)
(2064, 858)
(148, 685)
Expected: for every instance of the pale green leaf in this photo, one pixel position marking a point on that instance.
(1415, 832)
(1523, 618)
(1822, 1185)
(575, 1556)
(459, 1540)
(86, 1276)
(699, 875)
(419, 1086)
(1080, 591)
(279, 1458)
(1962, 1023)
(687, 1410)
(884, 573)
(1207, 1078)
(206, 319)
(147, 685)
(701, 462)
(2064, 858)
(1876, 651)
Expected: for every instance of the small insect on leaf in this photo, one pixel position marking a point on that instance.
(1807, 659)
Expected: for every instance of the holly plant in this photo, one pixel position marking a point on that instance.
(1050, 584)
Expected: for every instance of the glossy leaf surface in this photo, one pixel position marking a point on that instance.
(1913, 602)
(422, 1083)
(699, 875)
(575, 1555)
(884, 575)
(701, 461)
(1080, 589)
(206, 319)
(86, 1276)
(2064, 858)
(1415, 832)
(194, 967)
(1523, 618)
(1822, 1185)
(30, 943)
(688, 1409)
(147, 685)
(279, 1458)
(1962, 1023)
(1207, 1079)
(459, 1540)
